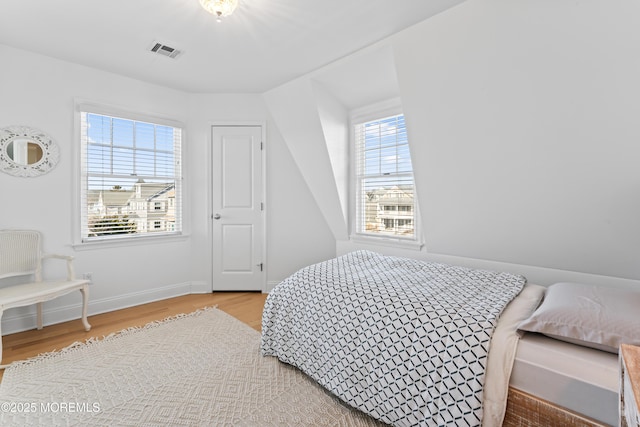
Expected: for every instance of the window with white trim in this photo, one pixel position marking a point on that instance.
(130, 177)
(384, 188)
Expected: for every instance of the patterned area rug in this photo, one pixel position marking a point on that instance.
(200, 369)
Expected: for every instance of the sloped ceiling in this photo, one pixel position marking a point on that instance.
(264, 44)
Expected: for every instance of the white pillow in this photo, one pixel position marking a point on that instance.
(591, 316)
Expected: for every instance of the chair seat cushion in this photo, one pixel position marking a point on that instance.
(31, 293)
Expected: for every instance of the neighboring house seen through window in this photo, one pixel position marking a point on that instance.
(385, 202)
(130, 177)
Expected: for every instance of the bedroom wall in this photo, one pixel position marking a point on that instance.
(336, 134)
(523, 119)
(39, 91)
(297, 234)
(296, 112)
(312, 113)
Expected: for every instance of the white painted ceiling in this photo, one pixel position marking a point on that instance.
(264, 44)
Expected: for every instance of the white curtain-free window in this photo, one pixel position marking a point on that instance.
(130, 177)
(384, 189)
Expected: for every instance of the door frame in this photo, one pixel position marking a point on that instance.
(265, 258)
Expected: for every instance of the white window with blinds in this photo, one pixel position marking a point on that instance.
(384, 188)
(130, 176)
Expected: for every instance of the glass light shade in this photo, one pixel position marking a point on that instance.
(219, 7)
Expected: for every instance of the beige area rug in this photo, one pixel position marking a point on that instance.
(201, 369)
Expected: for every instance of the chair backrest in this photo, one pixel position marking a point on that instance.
(20, 253)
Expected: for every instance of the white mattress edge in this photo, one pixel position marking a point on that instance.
(581, 379)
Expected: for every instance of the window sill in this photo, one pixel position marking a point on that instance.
(135, 241)
(387, 241)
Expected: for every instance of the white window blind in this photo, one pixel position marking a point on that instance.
(385, 202)
(131, 180)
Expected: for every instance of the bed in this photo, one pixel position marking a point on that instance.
(568, 355)
(581, 382)
(366, 327)
(414, 343)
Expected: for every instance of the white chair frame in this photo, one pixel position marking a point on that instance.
(21, 255)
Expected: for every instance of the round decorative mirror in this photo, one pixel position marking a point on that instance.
(26, 151)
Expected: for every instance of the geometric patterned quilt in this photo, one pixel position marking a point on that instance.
(403, 340)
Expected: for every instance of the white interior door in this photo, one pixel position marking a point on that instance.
(237, 208)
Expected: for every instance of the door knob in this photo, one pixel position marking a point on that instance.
(217, 216)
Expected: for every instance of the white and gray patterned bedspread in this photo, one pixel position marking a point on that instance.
(403, 340)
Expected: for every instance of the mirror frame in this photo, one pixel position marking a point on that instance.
(50, 152)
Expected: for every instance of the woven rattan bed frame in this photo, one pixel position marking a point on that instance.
(524, 409)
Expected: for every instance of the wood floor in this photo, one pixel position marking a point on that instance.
(245, 306)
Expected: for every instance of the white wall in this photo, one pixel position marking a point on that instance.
(297, 234)
(295, 110)
(523, 120)
(522, 117)
(332, 116)
(39, 91)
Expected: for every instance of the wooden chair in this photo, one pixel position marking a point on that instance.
(21, 255)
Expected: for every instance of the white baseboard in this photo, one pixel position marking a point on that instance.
(24, 318)
(534, 274)
(270, 285)
(200, 288)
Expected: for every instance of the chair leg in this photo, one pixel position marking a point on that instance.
(85, 299)
(39, 315)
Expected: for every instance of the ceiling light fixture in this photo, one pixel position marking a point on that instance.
(219, 8)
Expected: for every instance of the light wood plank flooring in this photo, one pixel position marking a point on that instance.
(245, 306)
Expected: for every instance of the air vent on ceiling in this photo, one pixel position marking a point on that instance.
(164, 50)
